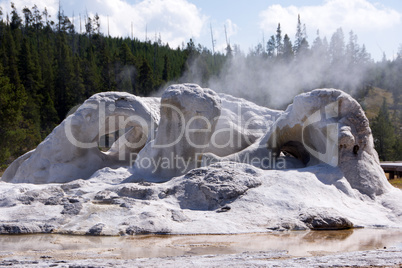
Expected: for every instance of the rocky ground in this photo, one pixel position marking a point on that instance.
(374, 258)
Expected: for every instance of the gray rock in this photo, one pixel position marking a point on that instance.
(223, 209)
(52, 201)
(147, 228)
(96, 229)
(106, 197)
(325, 220)
(213, 187)
(42, 195)
(73, 185)
(179, 216)
(136, 191)
(71, 209)
(25, 228)
(126, 205)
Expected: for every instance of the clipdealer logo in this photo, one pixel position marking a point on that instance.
(105, 114)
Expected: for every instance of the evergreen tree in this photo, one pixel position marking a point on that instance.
(125, 55)
(299, 35)
(229, 51)
(49, 117)
(287, 49)
(145, 82)
(28, 70)
(10, 60)
(125, 79)
(166, 67)
(319, 49)
(258, 50)
(125, 70)
(96, 25)
(28, 17)
(278, 40)
(337, 48)
(271, 47)
(46, 61)
(37, 19)
(77, 84)
(12, 100)
(352, 49)
(363, 56)
(92, 81)
(304, 47)
(64, 77)
(31, 80)
(108, 82)
(319, 57)
(15, 18)
(383, 132)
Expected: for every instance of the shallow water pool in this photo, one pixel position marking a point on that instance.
(296, 243)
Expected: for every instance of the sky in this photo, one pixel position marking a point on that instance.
(378, 24)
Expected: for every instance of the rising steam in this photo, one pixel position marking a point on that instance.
(273, 80)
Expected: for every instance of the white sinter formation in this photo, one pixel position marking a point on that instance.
(321, 126)
(188, 118)
(72, 152)
(196, 161)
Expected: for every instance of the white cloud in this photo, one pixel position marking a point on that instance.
(175, 20)
(231, 28)
(357, 15)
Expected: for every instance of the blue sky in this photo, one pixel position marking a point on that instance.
(378, 24)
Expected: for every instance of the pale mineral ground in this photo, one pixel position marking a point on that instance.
(252, 203)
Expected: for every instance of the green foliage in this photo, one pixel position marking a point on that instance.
(49, 116)
(12, 100)
(166, 67)
(145, 81)
(46, 68)
(384, 136)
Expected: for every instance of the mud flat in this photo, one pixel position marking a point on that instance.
(358, 247)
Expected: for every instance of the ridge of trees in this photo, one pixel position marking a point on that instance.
(387, 144)
(46, 68)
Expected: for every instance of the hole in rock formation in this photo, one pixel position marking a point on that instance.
(296, 149)
(355, 149)
(105, 142)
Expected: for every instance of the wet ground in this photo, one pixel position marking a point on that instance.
(291, 244)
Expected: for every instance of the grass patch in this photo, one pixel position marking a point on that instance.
(373, 100)
(397, 182)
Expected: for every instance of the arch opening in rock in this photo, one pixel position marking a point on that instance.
(295, 149)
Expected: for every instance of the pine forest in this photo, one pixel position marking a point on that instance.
(47, 67)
